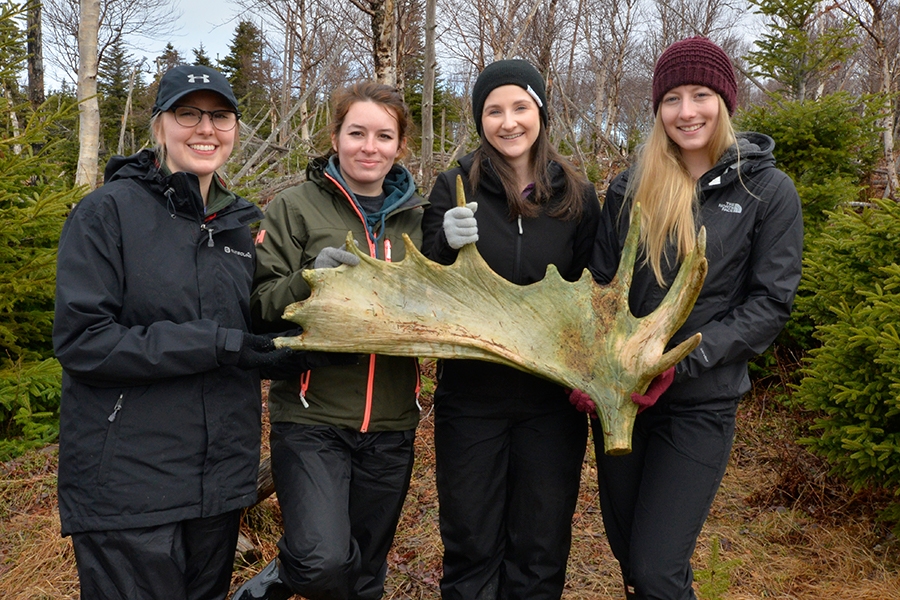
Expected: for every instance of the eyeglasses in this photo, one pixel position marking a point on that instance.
(190, 116)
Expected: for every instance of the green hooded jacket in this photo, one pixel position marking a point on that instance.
(379, 393)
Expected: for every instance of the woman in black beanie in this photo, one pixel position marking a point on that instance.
(693, 171)
(509, 446)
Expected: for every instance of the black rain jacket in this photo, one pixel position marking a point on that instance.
(152, 299)
(519, 250)
(754, 243)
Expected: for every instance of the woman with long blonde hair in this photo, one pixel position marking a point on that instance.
(693, 171)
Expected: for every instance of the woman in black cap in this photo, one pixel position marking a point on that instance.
(160, 411)
(693, 171)
(509, 446)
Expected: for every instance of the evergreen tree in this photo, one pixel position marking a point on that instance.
(802, 45)
(851, 285)
(168, 59)
(828, 147)
(200, 56)
(34, 200)
(113, 80)
(12, 50)
(246, 69)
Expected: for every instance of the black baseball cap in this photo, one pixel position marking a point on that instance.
(180, 81)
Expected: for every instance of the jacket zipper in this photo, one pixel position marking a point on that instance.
(209, 230)
(370, 383)
(518, 259)
(112, 416)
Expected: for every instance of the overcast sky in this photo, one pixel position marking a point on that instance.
(199, 23)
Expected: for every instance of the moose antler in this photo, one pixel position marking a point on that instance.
(579, 334)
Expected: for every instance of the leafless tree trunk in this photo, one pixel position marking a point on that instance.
(89, 109)
(13, 120)
(427, 163)
(127, 112)
(148, 19)
(287, 75)
(35, 48)
(383, 15)
(871, 15)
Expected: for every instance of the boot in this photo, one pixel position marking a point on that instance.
(265, 585)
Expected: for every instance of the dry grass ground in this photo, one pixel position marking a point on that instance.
(780, 528)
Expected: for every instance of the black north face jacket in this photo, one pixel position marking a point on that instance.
(754, 229)
(152, 298)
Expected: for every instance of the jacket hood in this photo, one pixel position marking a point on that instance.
(180, 192)
(752, 152)
(399, 188)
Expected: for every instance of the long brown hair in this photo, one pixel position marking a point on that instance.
(667, 192)
(541, 155)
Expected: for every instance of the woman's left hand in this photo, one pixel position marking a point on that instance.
(656, 388)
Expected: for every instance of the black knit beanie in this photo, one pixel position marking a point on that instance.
(695, 61)
(508, 72)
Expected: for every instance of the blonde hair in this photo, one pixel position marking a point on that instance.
(667, 192)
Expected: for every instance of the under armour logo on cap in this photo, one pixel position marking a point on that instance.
(182, 80)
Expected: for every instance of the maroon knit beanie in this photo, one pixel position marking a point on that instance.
(695, 61)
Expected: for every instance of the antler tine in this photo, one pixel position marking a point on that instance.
(674, 310)
(625, 272)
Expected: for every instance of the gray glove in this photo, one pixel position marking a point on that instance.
(330, 258)
(460, 225)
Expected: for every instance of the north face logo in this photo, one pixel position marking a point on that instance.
(201, 78)
(731, 207)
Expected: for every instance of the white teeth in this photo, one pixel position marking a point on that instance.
(512, 137)
(203, 147)
(692, 127)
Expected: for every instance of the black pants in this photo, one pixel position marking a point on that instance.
(188, 560)
(656, 499)
(508, 472)
(341, 493)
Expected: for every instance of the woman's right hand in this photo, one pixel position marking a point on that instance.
(330, 257)
(460, 225)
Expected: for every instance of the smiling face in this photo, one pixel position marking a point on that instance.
(511, 122)
(200, 149)
(690, 115)
(367, 145)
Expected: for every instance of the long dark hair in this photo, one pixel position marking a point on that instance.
(542, 154)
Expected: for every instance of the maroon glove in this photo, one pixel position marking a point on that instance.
(659, 384)
(583, 402)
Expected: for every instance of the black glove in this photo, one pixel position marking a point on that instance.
(258, 351)
(297, 363)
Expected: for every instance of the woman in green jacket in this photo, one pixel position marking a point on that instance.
(342, 435)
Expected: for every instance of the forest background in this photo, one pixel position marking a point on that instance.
(816, 468)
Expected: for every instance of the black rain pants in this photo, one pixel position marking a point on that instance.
(341, 493)
(187, 560)
(508, 473)
(656, 499)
